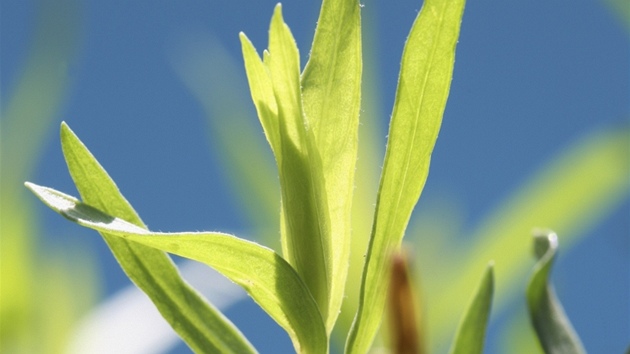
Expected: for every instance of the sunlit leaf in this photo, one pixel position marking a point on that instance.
(553, 328)
(200, 325)
(261, 89)
(266, 276)
(368, 167)
(305, 226)
(423, 87)
(472, 329)
(331, 93)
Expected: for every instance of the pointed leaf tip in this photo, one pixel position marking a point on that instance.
(471, 332)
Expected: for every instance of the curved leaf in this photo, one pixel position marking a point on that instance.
(554, 331)
(472, 329)
(423, 87)
(199, 324)
(266, 276)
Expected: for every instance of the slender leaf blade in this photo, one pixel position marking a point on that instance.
(553, 328)
(471, 332)
(261, 89)
(266, 276)
(423, 87)
(331, 94)
(305, 226)
(283, 62)
(199, 324)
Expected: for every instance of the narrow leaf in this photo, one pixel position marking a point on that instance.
(199, 324)
(266, 276)
(305, 227)
(553, 328)
(471, 332)
(423, 87)
(261, 89)
(331, 94)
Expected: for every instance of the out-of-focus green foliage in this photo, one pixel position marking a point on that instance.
(471, 332)
(621, 9)
(555, 333)
(40, 298)
(576, 190)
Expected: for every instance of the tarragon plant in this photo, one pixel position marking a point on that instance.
(311, 120)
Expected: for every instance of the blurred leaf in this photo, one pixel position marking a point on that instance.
(471, 332)
(200, 325)
(40, 297)
(517, 336)
(41, 89)
(127, 322)
(571, 194)
(424, 83)
(331, 94)
(213, 76)
(554, 330)
(266, 276)
(620, 8)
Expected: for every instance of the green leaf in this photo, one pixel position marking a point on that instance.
(423, 87)
(554, 331)
(305, 226)
(472, 329)
(266, 276)
(199, 324)
(331, 94)
(261, 89)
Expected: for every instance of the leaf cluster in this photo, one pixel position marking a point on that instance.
(310, 119)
